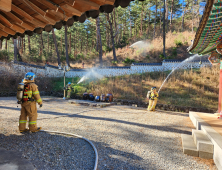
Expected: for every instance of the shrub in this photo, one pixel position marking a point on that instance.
(178, 43)
(3, 54)
(174, 53)
(80, 56)
(161, 56)
(128, 61)
(114, 62)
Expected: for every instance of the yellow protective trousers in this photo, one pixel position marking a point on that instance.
(68, 93)
(152, 105)
(28, 110)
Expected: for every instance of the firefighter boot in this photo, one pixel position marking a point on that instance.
(22, 131)
(38, 129)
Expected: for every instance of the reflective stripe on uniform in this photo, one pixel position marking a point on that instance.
(29, 93)
(38, 100)
(22, 121)
(25, 97)
(32, 122)
(35, 92)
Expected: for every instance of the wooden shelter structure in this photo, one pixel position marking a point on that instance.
(20, 17)
(208, 38)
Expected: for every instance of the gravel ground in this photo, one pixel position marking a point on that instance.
(125, 138)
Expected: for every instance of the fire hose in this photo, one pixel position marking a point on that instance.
(71, 134)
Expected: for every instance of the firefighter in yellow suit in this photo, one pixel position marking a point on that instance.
(68, 88)
(31, 96)
(153, 97)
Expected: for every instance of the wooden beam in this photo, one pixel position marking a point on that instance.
(45, 19)
(9, 31)
(4, 20)
(14, 19)
(105, 2)
(53, 17)
(67, 13)
(17, 28)
(21, 12)
(38, 23)
(110, 2)
(88, 2)
(2, 26)
(70, 2)
(5, 5)
(3, 33)
(48, 4)
(58, 15)
(69, 9)
(33, 7)
(27, 26)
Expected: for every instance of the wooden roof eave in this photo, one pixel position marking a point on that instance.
(202, 24)
(42, 19)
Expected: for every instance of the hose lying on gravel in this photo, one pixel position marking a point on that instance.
(94, 148)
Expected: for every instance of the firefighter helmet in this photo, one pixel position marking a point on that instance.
(29, 76)
(69, 83)
(153, 88)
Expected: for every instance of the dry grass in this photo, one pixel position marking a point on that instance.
(196, 88)
(150, 53)
(9, 80)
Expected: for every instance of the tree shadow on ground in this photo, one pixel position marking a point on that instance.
(161, 128)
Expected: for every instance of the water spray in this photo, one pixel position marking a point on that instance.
(91, 74)
(188, 59)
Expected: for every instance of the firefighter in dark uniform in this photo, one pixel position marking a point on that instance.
(30, 97)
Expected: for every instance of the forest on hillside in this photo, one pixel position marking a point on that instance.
(94, 39)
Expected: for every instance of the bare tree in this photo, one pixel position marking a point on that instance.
(130, 22)
(171, 14)
(141, 21)
(56, 47)
(154, 29)
(99, 41)
(166, 8)
(15, 48)
(29, 45)
(164, 34)
(112, 37)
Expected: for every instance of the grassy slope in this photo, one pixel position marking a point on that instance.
(176, 45)
(198, 88)
(183, 88)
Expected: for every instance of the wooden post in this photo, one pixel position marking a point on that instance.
(220, 89)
